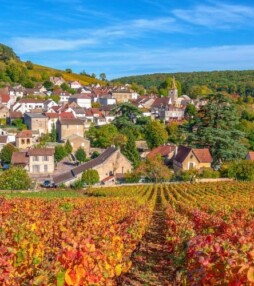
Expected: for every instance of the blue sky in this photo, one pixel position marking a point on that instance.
(129, 37)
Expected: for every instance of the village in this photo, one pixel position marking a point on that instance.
(28, 115)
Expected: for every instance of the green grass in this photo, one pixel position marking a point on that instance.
(47, 194)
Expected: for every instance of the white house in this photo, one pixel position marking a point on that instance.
(27, 104)
(75, 85)
(83, 100)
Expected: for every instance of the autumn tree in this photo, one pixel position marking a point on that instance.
(15, 178)
(154, 169)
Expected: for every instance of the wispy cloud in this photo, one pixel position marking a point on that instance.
(137, 61)
(216, 15)
(30, 45)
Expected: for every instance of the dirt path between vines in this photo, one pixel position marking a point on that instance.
(150, 261)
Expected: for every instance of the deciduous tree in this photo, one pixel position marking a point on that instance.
(90, 177)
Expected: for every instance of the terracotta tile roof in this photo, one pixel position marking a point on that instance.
(41, 152)
(73, 121)
(62, 115)
(160, 101)
(3, 139)
(203, 155)
(25, 134)
(163, 150)
(19, 158)
(109, 178)
(15, 114)
(5, 98)
(251, 156)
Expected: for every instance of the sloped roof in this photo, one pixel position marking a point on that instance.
(182, 153)
(163, 150)
(3, 139)
(72, 121)
(203, 155)
(19, 158)
(41, 152)
(86, 166)
(15, 114)
(160, 101)
(25, 134)
(5, 98)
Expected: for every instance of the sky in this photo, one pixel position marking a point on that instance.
(131, 37)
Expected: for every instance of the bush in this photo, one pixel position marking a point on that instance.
(208, 173)
(80, 155)
(242, 170)
(15, 178)
(90, 177)
(7, 152)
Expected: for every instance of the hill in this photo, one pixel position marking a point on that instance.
(241, 82)
(13, 70)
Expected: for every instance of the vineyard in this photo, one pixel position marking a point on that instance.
(177, 234)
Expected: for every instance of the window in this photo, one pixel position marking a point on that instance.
(28, 141)
(36, 168)
(35, 158)
(45, 158)
(22, 141)
(191, 165)
(45, 168)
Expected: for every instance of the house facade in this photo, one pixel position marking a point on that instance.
(36, 161)
(188, 158)
(68, 127)
(110, 163)
(24, 139)
(36, 122)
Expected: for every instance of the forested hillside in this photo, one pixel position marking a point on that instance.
(241, 82)
(13, 70)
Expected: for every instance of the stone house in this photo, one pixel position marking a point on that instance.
(75, 85)
(36, 122)
(187, 158)
(68, 127)
(77, 142)
(24, 139)
(110, 163)
(124, 95)
(36, 161)
(4, 112)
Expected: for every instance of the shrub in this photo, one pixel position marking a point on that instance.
(90, 177)
(242, 170)
(209, 173)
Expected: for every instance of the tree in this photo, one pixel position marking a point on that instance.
(80, 155)
(68, 147)
(19, 124)
(53, 133)
(215, 129)
(103, 76)
(90, 177)
(103, 136)
(48, 84)
(154, 169)
(166, 86)
(68, 70)
(15, 178)
(130, 149)
(155, 134)
(60, 153)
(126, 115)
(190, 111)
(29, 65)
(242, 170)
(175, 134)
(7, 152)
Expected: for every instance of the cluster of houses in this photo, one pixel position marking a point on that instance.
(74, 114)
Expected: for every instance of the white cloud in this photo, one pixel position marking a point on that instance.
(31, 45)
(217, 15)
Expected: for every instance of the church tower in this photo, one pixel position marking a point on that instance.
(173, 92)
